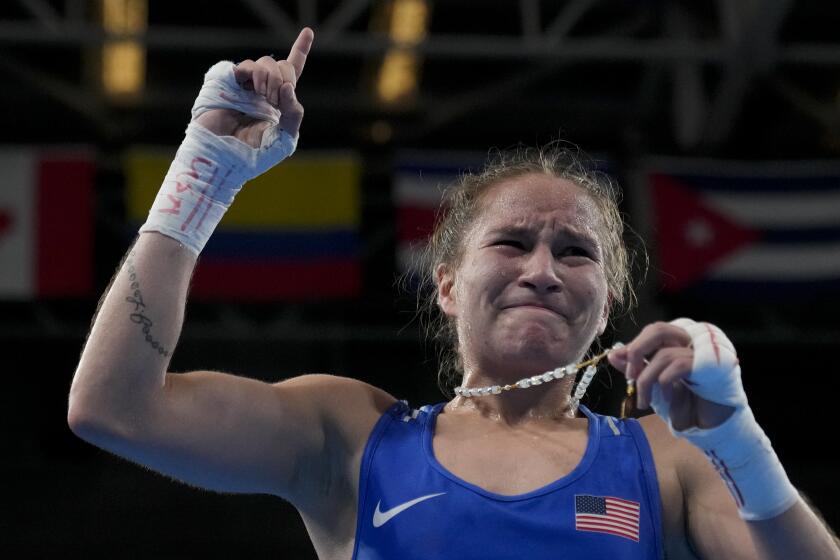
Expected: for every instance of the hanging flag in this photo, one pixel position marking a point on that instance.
(419, 181)
(420, 178)
(607, 514)
(747, 230)
(292, 233)
(46, 223)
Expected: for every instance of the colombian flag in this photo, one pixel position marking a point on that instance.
(291, 233)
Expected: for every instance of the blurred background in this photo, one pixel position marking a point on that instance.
(721, 121)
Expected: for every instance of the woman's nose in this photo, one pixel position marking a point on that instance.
(540, 271)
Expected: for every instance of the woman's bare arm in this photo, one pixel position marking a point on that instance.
(134, 333)
(209, 429)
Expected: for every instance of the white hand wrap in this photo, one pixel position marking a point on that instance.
(738, 448)
(209, 170)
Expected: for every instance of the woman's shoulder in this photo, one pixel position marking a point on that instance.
(663, 442)
(347, 410)
(667, 449)
(342, 396)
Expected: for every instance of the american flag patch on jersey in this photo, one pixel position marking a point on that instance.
(606, 514)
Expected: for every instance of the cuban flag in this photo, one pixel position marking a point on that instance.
(746, 230)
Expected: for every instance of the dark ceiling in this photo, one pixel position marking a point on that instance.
(746, 79)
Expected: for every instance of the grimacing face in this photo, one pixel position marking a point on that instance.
(529, 293)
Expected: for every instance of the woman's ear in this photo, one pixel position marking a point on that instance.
(445, 282)
(605, 315)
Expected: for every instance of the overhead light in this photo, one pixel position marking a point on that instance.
(409, 22)
(407, 25)
(397, 76)
(123, 61)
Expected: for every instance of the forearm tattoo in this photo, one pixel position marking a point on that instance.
(138, 315)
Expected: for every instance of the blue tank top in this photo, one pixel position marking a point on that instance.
(410, 506)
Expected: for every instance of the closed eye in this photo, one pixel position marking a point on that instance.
(575, 252)
(510, 243)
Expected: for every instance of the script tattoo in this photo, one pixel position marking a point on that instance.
(138, 316)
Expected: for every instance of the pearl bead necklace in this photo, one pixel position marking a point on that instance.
(558, 373)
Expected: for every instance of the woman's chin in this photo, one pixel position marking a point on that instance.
(531, 350)
(532, 359)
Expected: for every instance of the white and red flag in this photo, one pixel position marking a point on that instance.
(420, 178)
(46, 223)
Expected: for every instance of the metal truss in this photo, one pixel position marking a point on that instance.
(740, 40)
(688, 64)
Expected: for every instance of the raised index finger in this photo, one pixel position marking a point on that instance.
(297, 56)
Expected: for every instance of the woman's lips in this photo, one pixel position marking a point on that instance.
(534, 306)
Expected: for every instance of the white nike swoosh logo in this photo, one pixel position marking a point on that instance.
(380, 518)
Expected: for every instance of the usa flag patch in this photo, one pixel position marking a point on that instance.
(607, 514)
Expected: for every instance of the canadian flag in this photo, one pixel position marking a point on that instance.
(46, 223)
